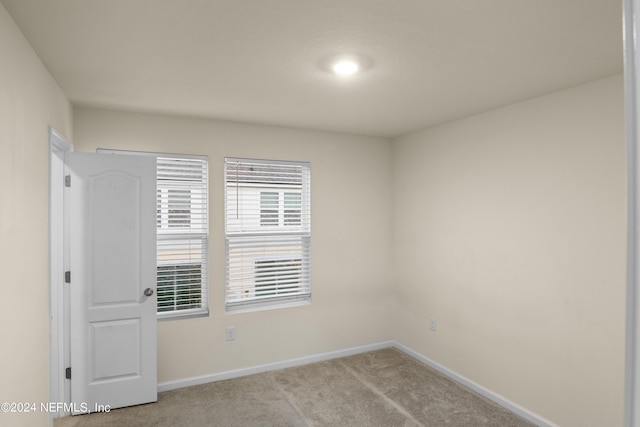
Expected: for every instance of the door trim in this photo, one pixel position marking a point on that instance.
(632, 99)
(59, 388)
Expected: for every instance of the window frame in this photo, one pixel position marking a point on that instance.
(166, 234)
(254, 240)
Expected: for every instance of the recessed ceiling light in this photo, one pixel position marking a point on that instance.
(345, 67)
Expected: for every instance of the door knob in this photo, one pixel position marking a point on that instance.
(148, 292)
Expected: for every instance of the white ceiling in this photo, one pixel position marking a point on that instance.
(259, 61)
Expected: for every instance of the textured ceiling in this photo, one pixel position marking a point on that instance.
(259, 61)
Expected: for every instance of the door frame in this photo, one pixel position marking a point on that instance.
(59, 387)
(59, 263)
(632, 115)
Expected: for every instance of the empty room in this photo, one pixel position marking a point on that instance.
(293, 212)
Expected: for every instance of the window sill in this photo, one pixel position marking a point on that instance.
(266, 306)
(172, 315)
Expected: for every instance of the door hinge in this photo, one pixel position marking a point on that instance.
(67, 373)
(67, 277)
(67, 180)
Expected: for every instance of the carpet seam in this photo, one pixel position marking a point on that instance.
(290, 401)
(380, 393)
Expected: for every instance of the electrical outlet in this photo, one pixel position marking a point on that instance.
(433, 324)
(231, 333)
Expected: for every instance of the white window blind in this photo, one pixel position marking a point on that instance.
(182, 233)
(268, 233)
(182, 224)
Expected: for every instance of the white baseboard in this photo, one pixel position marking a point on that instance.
(305, 360)
(494, 397)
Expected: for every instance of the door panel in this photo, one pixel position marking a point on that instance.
(112, 209)
(111, 334)
(115, 196)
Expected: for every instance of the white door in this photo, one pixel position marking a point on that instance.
(112, 255)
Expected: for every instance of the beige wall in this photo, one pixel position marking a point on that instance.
(351, 239)
(30, 101)
(509, 227)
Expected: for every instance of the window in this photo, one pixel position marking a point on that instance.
(280, 208)
(182, 222)
(179, 287)
(292, 209)
(269, 203)
(268, 233)
(182, 234)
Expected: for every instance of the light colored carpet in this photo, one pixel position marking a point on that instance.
(378, 388)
